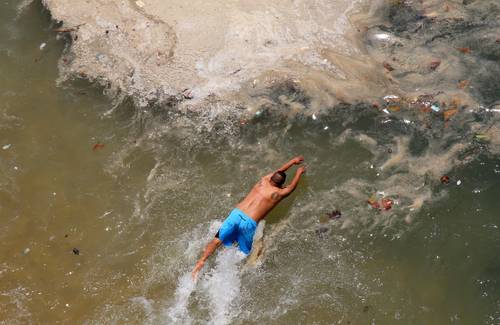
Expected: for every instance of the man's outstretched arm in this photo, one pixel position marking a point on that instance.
(291, 187)
(295, 161)
(209, 250)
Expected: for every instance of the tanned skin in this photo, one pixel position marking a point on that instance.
(263, 197)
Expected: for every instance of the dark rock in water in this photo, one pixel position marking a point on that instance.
(76, 251)
(366, 309)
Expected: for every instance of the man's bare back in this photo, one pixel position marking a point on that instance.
(241, 223)
(262, 199)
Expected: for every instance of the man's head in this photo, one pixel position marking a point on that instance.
(278, 179)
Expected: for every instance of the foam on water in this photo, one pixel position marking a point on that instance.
(178, 313)
(219, 287)
(180, 171)
(222, 286)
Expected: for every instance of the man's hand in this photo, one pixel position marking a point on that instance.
(298, 160)
(301, 170)
(197, 269)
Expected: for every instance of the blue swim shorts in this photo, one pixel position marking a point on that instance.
(239, 228)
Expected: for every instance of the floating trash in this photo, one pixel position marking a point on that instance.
(459, 182)
(445, 179)
(76, 251)
(383, 36)
(373, 203)
(314, 117)
(462, 84)
(449, 113)
(436, 108)
(26, 251)
(98, 146)
(388, 67)
(392, 98)
(435, 64)
(7, 146)
(387, 203)
(481, 136)
(42, 46)
(334, 215)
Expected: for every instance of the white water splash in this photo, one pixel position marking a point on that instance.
(222, 285)
(178, 313)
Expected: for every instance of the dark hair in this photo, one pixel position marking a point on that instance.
(279, 178)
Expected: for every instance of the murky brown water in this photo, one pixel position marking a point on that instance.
(140, 208)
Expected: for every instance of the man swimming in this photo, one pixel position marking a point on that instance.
(239, 227)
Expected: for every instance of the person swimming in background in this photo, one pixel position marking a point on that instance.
(239, 227)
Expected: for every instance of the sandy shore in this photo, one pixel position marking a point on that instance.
(153, 49)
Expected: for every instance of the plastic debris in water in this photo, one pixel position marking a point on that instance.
(388, 67)
(435, 64)
(435, 108)
(314, 117)
(187, 93)
(459, 182)
(463, 84)
(449, 113)
(334, 215)
(386, 111)
(464, 50)
(7, 146)
(97, 146)
(384, 204)
(480, 136)
(258, 113)
(387, 203)
(139, 4)
(445, 179)
(76, 251)
(42, 46)
(26, 251)
(383, 36)
(392, 98)
(326, 128)
(374, 203)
